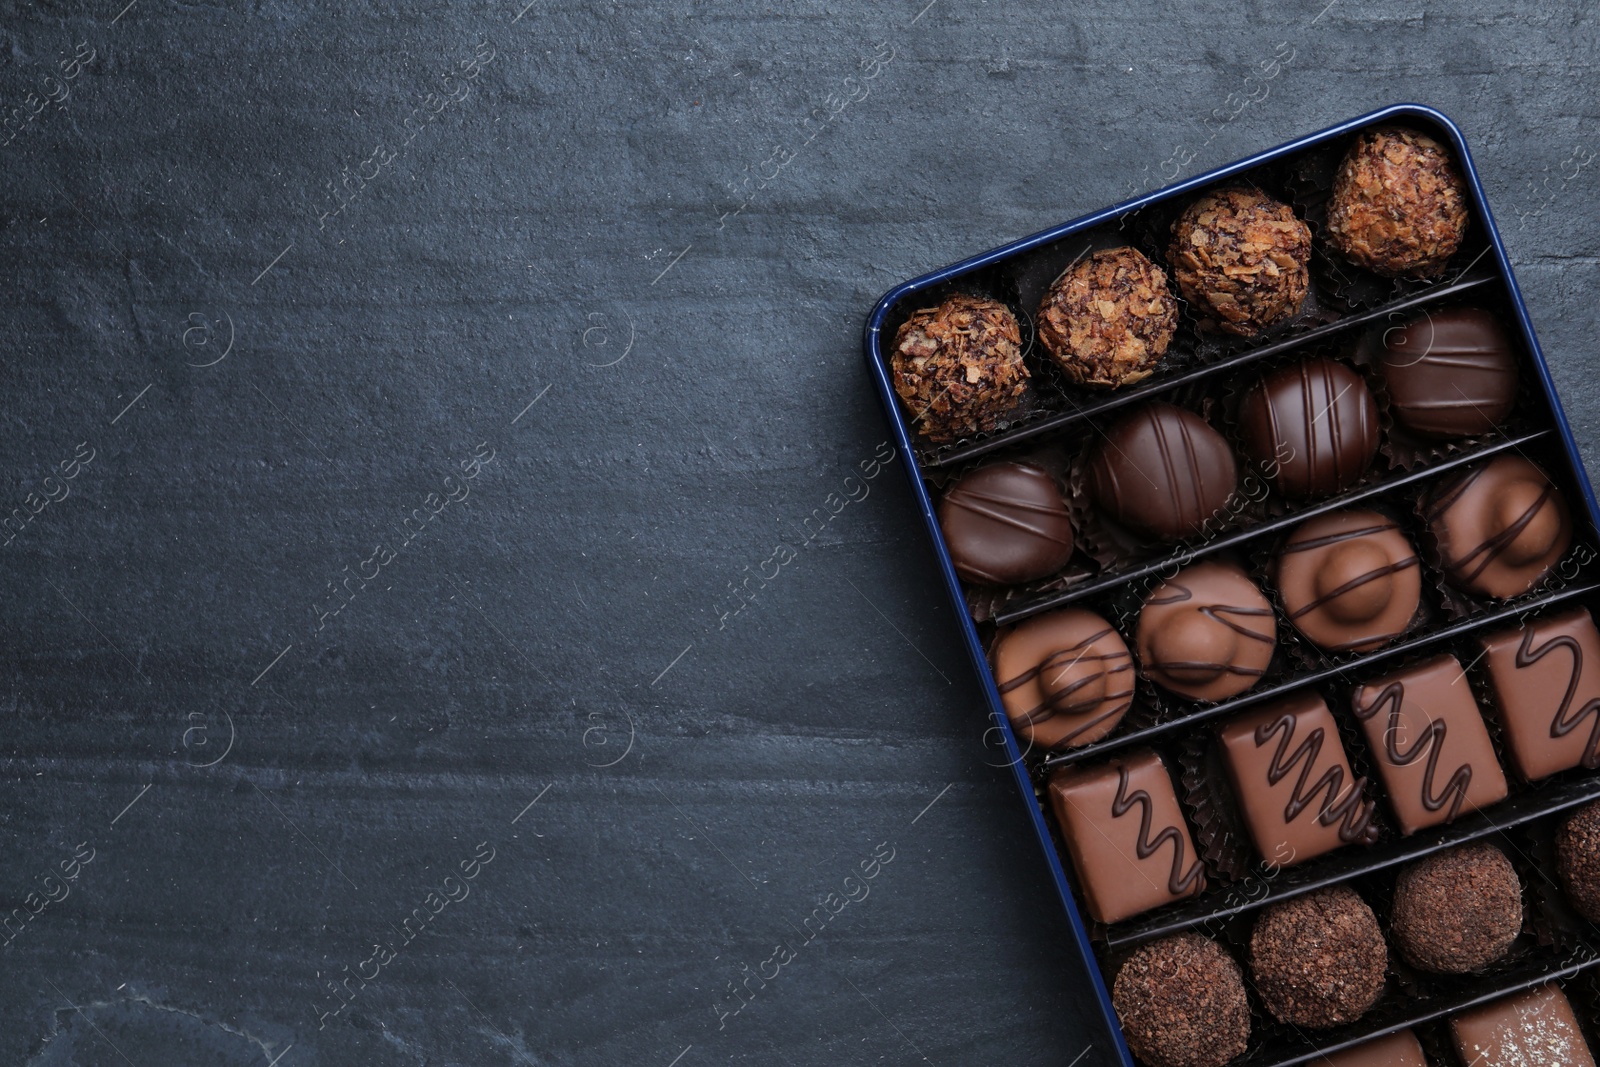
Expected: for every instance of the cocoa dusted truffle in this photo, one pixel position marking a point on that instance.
(1239, 258)
(1065, 678)
(1108, 318)
(1006, 523)
(1318, 960)
(1399, 206)
(1457, 911)
(1182, 1003)
(1450, 373)
(1206, 633)
(1312, 426)
(958, 366)
(1350, 581)
(1578, 860)
(1163, 471)
(1500, 527)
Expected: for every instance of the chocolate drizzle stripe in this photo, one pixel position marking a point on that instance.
(1216, 611)
(1353, 813)
(1360, 580)
(1565, 721)
(1179, 881)
(1501, 541)
(974, 502)
(1431, 744)
(1454, 493)
(1333, 539)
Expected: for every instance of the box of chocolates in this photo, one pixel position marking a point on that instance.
(1277, 564)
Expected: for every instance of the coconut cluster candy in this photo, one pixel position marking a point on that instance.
(1108, 318)
(958, 366)
(1399, 206)
(1239, 258)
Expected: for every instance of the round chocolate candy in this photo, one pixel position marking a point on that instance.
(1458, 911)
(1239, 258)
(1500, 527)
(1312, 427)
(1450, 373)
(1163, 471)
(1182, 1003)
(1350, 581)
(958, 366)
(1206, 633)
(1006, 523)
(1578, 860)
(1065, 678)
(1318, 960)
(1398, 206)
(1108, 318)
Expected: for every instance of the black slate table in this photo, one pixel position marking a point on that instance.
(459, 607)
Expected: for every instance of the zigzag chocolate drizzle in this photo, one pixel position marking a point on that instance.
(1393, 694)
(1565, 721)
(1355, 813)
(1179, 882)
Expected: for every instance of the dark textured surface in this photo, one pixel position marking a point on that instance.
(555, 234)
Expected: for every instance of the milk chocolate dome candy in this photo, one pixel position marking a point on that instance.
(1350, 581)
(1500, 527)
(1006, 523)
(1163, 471)
(1450, 372)
(1239, 258)
(1109, 318)
(1065, 678)
(1207, 633)
(1399, 206)
(1182, 1003)
(958, 366)
(1313, 426)
(1458, 911)
(1318, 960)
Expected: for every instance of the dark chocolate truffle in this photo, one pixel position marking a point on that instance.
(1398, 207)
(1129, 844)
(1239, 258)
(1182, 1003)
(1578, 860)
(1206, 633)
(1108, 318)
(1545, 676)
(1318, 960)
(1450, 373)
(1163, 471)
(1457, 911)
(1006, 523)
(1532, 1029)
(1313, 427)
(1500, 527)
(1350, 581)
(1065, 678)
(958, 366)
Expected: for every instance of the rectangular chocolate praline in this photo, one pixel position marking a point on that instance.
(1293, 781)
(1397, 1050)
(1529, 1029)
(1545, 678)
(1129, 843)
(1430, 744)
